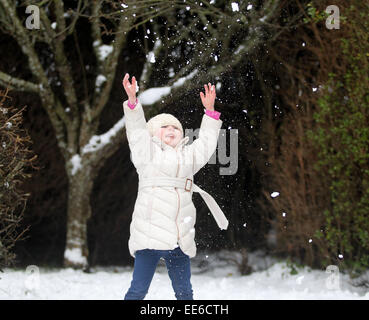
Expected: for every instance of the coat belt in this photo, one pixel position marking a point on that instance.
(188, 185)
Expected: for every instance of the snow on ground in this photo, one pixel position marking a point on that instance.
(213, 278)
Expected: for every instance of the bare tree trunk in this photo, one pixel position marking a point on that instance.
(79, 211)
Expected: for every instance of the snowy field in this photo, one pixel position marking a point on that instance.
(213, 278)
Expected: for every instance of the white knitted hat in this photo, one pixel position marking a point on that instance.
(163, 119)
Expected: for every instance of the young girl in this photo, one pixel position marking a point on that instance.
(164, 215)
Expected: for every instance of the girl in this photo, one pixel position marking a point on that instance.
(164, 215)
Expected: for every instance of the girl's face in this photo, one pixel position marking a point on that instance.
(169, 134)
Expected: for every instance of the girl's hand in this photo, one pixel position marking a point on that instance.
(209, 99)
(130, 88)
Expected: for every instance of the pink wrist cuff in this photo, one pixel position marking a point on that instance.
(214, 114)
(131, 106)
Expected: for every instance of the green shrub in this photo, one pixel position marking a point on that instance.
(341, 137)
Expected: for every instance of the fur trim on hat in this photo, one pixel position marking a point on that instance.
(163, 119)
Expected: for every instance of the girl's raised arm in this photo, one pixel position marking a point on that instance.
(205, 145)
(138, 135)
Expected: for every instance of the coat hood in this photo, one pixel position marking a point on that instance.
(163, 119)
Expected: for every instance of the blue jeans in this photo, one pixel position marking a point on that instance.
(179, 270)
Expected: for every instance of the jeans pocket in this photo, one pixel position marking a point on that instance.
(179, 253)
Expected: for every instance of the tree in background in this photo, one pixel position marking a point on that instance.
(207, 39)
(15, 160)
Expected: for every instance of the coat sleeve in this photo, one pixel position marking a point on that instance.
(138, 136)
(205, 145)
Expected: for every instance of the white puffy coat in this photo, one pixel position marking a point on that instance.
(164, 217)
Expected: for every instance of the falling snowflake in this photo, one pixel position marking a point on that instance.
(151, 57)
(235, 6)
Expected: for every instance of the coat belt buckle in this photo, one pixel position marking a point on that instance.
(186, 185)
